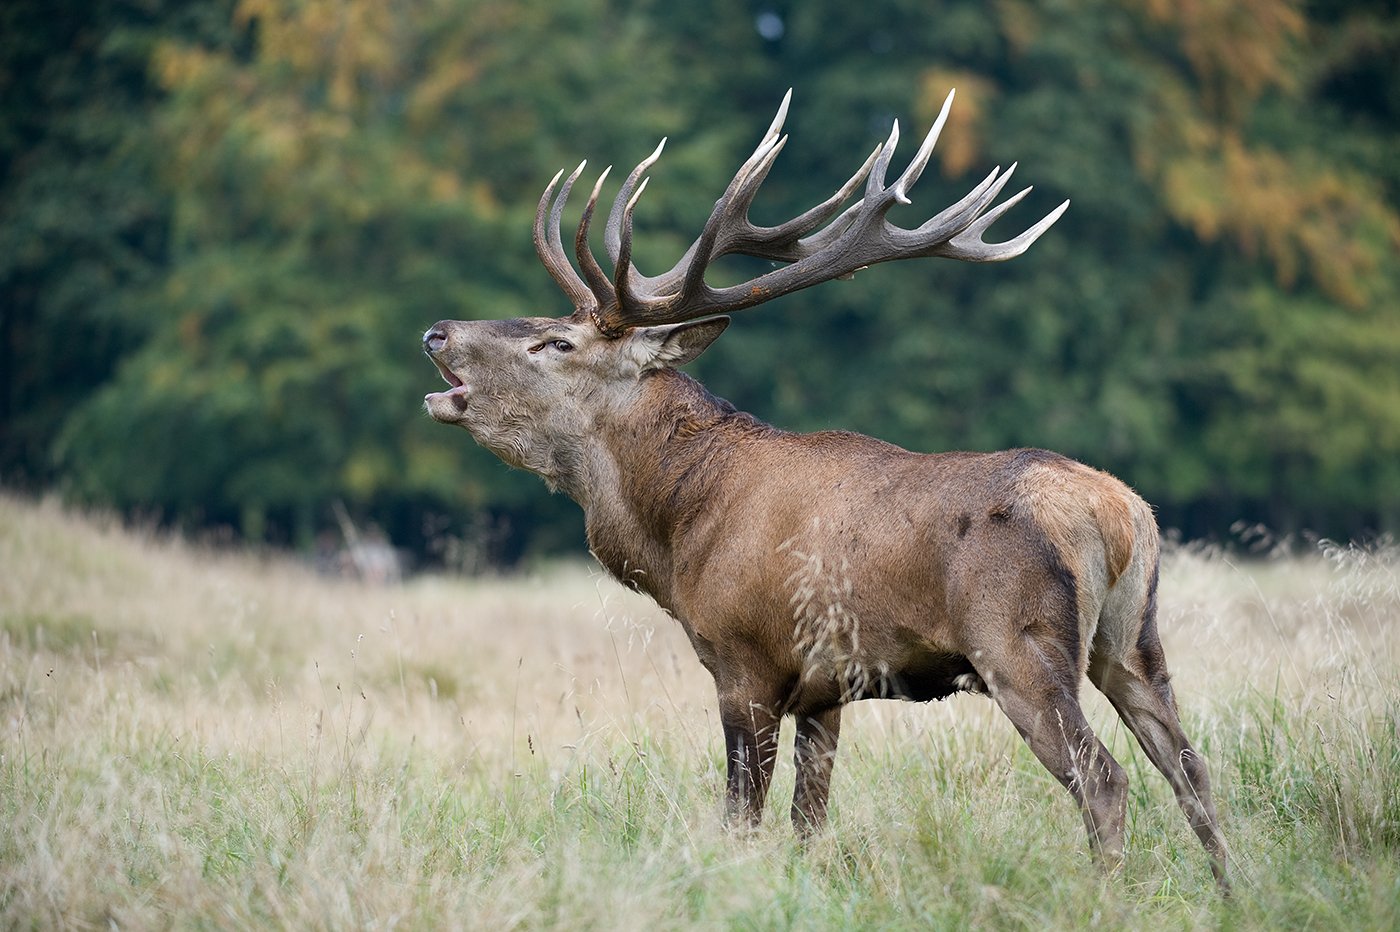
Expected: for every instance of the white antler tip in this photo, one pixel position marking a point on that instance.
(598, 185)
(891, 142)
(636, 196)
(776, 126)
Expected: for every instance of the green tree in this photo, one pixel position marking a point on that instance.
(356, 173)
(84, 222)
(1228, 210)
(226, 226)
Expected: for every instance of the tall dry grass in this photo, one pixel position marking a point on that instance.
(193, 737)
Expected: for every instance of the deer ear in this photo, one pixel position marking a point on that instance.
(677, 344)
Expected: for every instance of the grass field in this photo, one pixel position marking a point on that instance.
(194, 738)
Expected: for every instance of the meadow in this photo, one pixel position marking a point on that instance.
(194, 737)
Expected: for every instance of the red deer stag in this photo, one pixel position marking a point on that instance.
(814, 570)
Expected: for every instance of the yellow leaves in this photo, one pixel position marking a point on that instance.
(366, 471)
(313, 121)
(1236, 48)
(444, 185)
(180, 66)
(960, 144)
(349, 45)
(191, 329)
(1303, 218)
(483, 200)
(439, 86)
(1020, 22)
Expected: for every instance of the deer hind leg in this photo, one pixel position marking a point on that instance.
(814, 753)
(1041, 699)
(1139, 689)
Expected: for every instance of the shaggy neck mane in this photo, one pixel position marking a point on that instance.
(691, 438)
(672, 451)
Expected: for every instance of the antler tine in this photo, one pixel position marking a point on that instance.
(968, 244)
(823, 243)
(618, 233)
(603, 292)
(783, 241)
(622, 267)
(746, 181)
(875, 190)
(954, 218)
(549, 245)
(691, 268)
(719, 235)
(612, 232)
(786, 242)
(755, 176)
(916, 167)
(736, 231)
(779, 118)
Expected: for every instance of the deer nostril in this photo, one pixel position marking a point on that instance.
(434, 340)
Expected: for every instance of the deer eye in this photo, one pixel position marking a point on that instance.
(562, 346)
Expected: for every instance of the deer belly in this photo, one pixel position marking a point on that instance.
(847, 677)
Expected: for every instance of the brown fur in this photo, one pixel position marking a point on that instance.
(814, 570)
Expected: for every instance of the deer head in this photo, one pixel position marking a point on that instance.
(529, 389)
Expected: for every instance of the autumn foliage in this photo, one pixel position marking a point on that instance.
(227, 225)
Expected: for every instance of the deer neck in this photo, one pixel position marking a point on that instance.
(657, 467)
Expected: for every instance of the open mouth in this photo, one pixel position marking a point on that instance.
(448, 375)
(457, 394)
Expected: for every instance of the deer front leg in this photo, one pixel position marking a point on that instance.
(814, 753)
(751, 745)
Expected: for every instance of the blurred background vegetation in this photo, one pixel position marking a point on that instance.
(227, 223)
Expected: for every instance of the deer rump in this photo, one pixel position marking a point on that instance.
(814, 570)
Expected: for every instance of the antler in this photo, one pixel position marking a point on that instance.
(823, 243)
